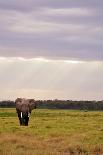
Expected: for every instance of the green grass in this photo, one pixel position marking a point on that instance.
(52, 132)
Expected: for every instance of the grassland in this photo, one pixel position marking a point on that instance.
(52, 132)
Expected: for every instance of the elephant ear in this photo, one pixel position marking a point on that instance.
(18, 102)
(32, 105)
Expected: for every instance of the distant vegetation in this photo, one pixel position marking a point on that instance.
(60, 104)
(7, 104)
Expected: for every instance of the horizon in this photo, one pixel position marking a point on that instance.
(55, 100)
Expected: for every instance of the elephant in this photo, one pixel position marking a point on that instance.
(24, 108)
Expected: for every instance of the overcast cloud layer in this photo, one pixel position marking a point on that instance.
(63, 40)
(52, 28)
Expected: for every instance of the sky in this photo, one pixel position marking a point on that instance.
(51, 49)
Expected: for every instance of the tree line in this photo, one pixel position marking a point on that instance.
(60, 104)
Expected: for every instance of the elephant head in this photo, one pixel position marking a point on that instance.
(24, 108)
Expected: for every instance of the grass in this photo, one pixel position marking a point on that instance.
(52, 132)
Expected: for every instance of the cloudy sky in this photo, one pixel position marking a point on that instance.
(51, 49)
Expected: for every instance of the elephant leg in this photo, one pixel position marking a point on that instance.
(26, 121)
(20, 121)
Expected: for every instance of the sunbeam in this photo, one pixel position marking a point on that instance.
(49, 79)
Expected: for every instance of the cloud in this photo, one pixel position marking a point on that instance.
(74, 12)
(54, 29)
(26, 5)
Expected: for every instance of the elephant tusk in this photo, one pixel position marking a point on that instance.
(21, 115)
(28, 114)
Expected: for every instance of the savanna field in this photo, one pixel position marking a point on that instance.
(52, 132)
